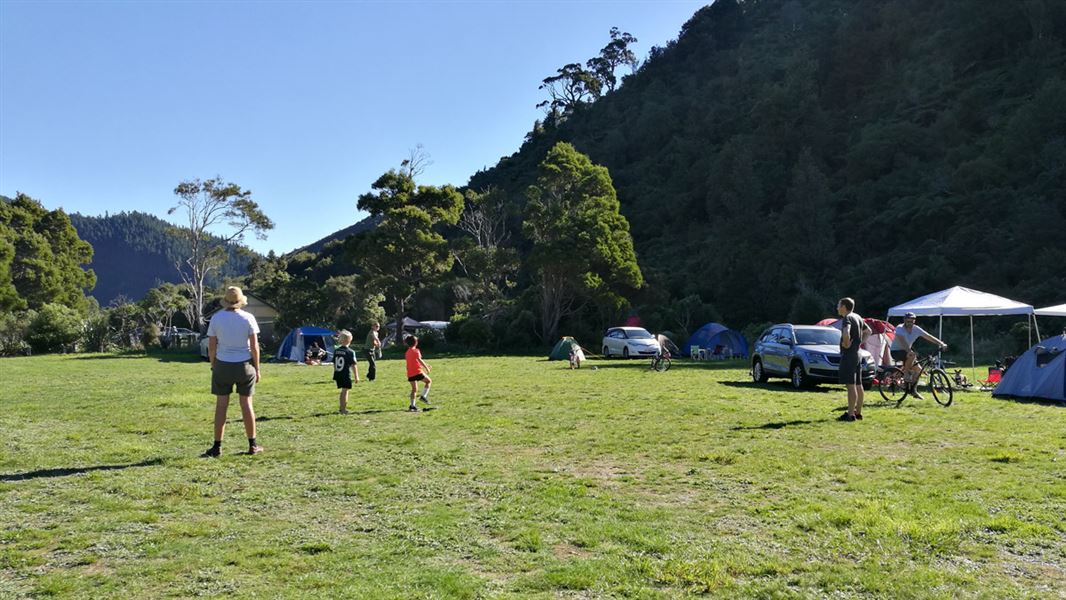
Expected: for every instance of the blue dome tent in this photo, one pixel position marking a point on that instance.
(717, 339)
(1039, 373)
(294, 346)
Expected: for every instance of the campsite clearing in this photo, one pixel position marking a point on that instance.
(531, 480)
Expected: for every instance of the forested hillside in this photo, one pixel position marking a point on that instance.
(343, 234)
(780, 154)
(133, 252)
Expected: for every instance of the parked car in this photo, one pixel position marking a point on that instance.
(204, 353)
(805, 354)
(629, 341)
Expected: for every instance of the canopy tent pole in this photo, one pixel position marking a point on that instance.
(973, 363)
(940, 330)
(1037, 325)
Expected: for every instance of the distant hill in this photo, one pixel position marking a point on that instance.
(132, 253)
(317, 246)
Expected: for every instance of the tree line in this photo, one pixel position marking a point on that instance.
(425, 238)
(775, 156)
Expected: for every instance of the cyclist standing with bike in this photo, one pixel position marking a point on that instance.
(903, 349)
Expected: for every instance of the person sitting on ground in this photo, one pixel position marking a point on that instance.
(903, 349)
(314, 354)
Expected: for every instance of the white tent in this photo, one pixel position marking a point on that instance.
(1052, 311)
(964, 302)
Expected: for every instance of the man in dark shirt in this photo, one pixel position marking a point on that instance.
(854, 332)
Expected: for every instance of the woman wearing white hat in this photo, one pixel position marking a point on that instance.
(233, 347)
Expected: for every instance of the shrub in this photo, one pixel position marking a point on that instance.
(521, 332)
(97, 333)
(475, 333)
(430, 338)
(150, 335)
(13, 329)
(56, 328)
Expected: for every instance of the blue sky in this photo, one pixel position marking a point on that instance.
(106, 106)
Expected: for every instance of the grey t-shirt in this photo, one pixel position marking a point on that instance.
(854, 324)
(370, 339)
(905, 340)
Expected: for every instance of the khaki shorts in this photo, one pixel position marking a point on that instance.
(226, 375)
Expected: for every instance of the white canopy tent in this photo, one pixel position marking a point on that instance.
(1052, 311)
(964, 302)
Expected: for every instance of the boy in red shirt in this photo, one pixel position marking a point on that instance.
(417, 370)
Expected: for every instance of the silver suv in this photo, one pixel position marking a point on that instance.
(805, 354)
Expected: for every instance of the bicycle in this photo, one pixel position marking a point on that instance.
(893, 385)
(661, 362)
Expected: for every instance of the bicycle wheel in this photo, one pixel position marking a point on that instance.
(891, 385)
(940, 386)
(664, 366)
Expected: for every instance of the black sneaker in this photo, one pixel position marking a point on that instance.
(845, 417)
(257, 449)
(858, 416)
(412, 408)
(423, 399)
(212, 452)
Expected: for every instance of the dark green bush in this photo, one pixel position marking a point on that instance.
(475, 333)
(150, 335)
(55, 328)
(13, 329)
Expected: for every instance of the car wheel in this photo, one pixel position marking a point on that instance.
(606, 352)
(798, 376)
(757, 372)
(625, 352)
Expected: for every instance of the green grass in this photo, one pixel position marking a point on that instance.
(529, 480)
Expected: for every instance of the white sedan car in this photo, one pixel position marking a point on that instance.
(629, 341)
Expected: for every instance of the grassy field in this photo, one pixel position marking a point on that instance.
(527, 480)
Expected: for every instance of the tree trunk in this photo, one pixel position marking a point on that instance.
(551, 308)
(198, 304)
(399, 321)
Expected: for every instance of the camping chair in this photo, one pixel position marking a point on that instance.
(995, 374)
(719, 352)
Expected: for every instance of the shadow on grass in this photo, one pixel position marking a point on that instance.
(63, 472)
(170, 356)
(369, 411)
(259, 419)
(778, 425)
(780, 386)
(1037, 401)
(644, 363)
(881, 403)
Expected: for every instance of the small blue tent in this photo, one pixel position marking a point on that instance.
(295, 345)
(717, 337)
(1039, 373)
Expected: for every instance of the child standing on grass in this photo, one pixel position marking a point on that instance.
(344, 366)
(417, 370)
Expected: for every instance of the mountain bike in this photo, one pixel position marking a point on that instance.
(893, 385)
(661, 362)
